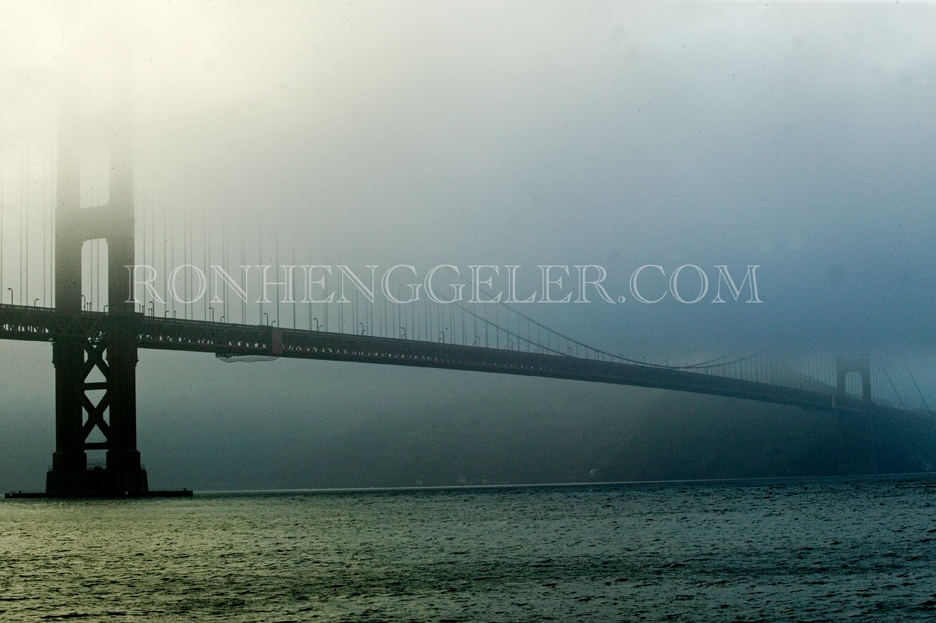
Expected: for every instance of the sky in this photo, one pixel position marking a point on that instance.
(798, 137)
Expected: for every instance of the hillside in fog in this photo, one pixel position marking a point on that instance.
(581, 432)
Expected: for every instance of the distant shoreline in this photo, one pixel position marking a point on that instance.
(753, 482)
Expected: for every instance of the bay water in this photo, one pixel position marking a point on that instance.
(782, 550)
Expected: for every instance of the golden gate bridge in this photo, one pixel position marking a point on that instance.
(80, 214)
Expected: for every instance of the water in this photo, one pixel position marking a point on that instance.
(860, 550)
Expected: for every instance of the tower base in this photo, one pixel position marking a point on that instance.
(98, 483)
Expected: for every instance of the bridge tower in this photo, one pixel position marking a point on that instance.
(79, 405)
(845, 366)
(856, 430)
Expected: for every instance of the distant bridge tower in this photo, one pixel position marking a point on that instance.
(113, 350)
(845, 366)
(856, 431)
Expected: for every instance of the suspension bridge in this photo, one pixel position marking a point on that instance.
(85, 234)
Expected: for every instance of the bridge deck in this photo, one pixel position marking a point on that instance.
(43, 324)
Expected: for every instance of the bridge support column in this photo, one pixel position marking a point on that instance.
(69, 463)
(113, 414)
(113, 353)
(856, 428)
(123, 458)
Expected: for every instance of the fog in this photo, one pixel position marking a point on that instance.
(797, 137)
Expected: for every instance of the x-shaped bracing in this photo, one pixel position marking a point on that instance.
(95, 359)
